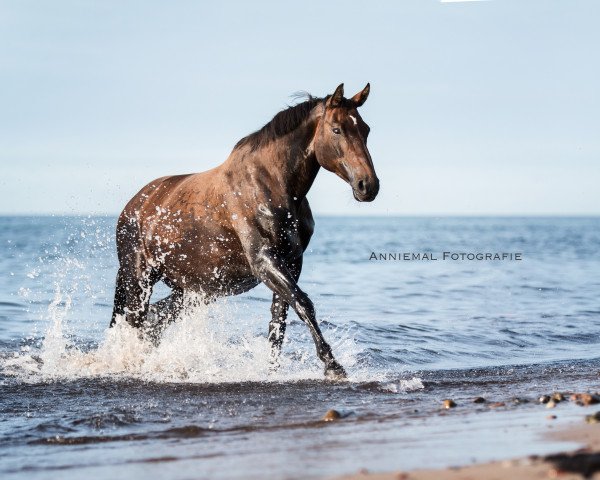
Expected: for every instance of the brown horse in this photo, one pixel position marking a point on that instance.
(247, 221)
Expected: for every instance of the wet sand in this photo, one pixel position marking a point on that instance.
(581, 462)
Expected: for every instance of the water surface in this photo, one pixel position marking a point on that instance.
(79, 400)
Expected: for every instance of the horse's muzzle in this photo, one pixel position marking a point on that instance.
(365, 189)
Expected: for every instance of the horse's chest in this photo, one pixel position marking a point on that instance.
(280, 228)
(288, 243)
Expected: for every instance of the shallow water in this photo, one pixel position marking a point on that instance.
(83, 400)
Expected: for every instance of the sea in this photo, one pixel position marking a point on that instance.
(417, 309)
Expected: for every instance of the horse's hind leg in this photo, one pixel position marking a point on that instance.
(132, 294)
(135, 277)
(277, 326)
(167, 309)
(120, 298)
(164, 312)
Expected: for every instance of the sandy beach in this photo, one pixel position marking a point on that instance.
(581, 462)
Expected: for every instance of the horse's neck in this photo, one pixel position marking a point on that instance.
(291, 161)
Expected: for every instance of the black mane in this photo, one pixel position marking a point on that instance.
(281, 124)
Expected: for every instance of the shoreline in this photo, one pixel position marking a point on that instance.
(578, 463)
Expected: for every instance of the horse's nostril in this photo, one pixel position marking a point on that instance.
(361, 186)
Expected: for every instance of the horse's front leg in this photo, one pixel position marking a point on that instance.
(279, 311)
(271, 270)
(277, 326)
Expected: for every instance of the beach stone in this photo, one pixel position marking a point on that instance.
(544, 399)
(585, 399)
(551, 417)
(331, 415)
(518, 400)
(497, 405)
(558, 397)
(449, 403)
(551, 404)
(593, 418)
(479, 400)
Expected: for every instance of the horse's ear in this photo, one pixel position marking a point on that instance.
(336, 99)
(361, 97)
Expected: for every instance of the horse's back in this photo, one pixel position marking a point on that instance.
(153, 192)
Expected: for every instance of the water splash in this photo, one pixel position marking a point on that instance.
(207, 344)
(54, 346)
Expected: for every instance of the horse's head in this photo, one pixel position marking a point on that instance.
(340, 143)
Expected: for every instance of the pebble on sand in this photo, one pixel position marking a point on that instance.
(551, 404)
(585, 399)
(332, 415)
(497, 405)
(551, 417)
(449, 403)
(558, 397)
(479, 400)
(593, 418)
(544, 399)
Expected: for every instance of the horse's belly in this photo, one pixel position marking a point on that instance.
(221, 284)
(210, 275)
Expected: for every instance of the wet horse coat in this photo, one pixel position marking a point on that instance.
(223, 231)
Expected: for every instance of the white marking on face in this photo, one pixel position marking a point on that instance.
(353, 119)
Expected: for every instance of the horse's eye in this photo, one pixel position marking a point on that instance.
(337, 131)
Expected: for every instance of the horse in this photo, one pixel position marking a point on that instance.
(223, 231)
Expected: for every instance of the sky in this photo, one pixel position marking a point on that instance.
(476, 108)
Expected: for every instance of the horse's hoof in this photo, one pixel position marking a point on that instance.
(334, 371)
